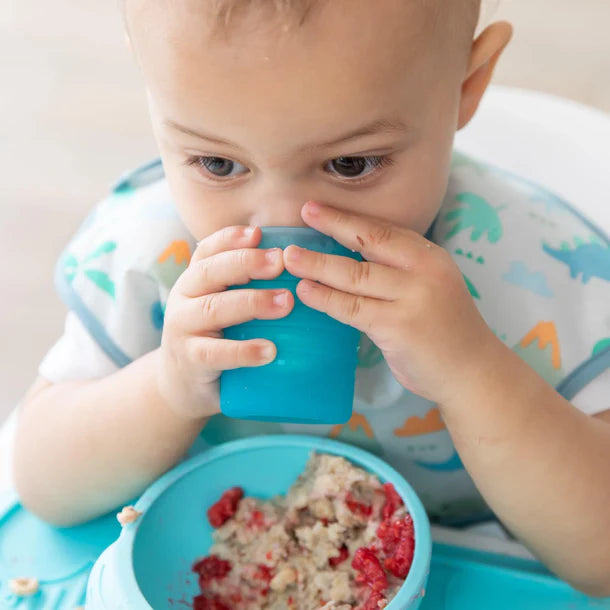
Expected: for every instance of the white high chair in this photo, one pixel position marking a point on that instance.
(559, 144)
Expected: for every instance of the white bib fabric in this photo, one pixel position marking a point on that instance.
(538, 272)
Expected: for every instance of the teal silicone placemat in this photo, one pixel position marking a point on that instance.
(460, 579)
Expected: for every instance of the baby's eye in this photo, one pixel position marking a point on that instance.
(218, 166)
(355, 167)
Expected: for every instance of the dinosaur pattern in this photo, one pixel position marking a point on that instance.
(590, 260)
(98, 277)
(477, 214)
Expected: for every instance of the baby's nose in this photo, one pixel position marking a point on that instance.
(281, 214)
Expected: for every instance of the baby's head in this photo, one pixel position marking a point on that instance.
(261, 105)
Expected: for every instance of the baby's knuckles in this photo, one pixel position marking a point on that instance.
(360, 273)
(433, 284)
(171, 319)
(380, 234)
(432, 325)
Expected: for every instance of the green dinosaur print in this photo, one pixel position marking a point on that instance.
(471, 289)
(479, 259)
(600, 346)
(101, 280)
(105, 248)
(71, 266)
(477, 214)
(501, 336)
(580, 241)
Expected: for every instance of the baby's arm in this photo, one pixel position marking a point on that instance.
(542, 465)
(84, 447)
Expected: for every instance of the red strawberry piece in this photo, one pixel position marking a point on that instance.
(263, 572)
(209, 603)
(211, 568)
(226, 507)
(398, 543)
(370, 570)
(358, 508)
(256, 520)
(392, 501)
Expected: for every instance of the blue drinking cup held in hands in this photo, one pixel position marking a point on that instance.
(312, 377)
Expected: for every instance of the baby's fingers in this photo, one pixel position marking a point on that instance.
(228, 238)
(225, 354)
(230, 268)
(213, 312)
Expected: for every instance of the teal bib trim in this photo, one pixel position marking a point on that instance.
(584, 374)
(142, 175)
(91, 323)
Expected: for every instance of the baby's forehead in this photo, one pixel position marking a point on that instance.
(341, 50)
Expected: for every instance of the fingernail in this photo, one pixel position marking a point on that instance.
(271, 256)
(279, 299)
(249, 231)
(267, 352)
(313, 208)
(294, 254)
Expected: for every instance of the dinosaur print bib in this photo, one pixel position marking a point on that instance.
(538, 272)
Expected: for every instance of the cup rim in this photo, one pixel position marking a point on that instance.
(411, 588)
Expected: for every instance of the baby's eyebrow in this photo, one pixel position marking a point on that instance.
(378, 126)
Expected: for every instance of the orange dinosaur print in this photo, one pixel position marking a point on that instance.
(430, 422)
(544, 333)
(356, 421)
(179, 250)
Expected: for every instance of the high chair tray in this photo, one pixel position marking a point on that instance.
(460, 579)
(465, 579)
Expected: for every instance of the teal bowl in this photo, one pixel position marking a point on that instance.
(149, 566)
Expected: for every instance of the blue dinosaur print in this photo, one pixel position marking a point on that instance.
(592, 260)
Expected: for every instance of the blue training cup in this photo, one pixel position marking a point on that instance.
(312, 377)
(149, 566)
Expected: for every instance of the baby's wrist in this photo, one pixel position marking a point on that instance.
(475, 375)
(181, 401)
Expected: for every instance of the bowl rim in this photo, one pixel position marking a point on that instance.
(413, 585)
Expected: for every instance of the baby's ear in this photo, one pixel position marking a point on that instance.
(485, 52)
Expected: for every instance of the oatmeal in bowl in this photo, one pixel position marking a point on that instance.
(339, 539)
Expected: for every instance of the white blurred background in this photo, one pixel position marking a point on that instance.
(73, 118)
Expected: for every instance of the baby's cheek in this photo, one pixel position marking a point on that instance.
(199, 213)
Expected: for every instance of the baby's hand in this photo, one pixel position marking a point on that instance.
(408, 296)
(193, 352)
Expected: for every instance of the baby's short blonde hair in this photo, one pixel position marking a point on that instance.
(296, 11)
(223, 10)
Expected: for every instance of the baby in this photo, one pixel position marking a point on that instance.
(338, 115)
